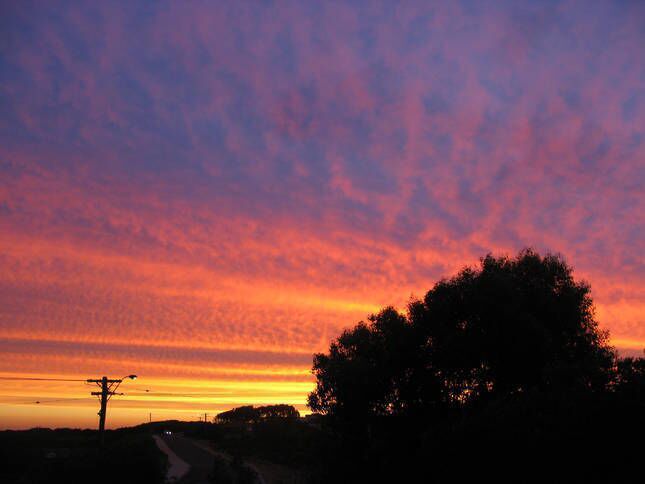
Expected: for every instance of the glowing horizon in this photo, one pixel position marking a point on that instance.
(207, 195)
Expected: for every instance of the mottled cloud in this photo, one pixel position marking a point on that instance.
(186, 178)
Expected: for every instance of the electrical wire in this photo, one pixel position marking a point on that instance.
(37, 379)
(45, 401)
(170, 394)
(60, 400)
(143, 392)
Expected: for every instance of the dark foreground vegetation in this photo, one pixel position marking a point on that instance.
(73, 456)
(500, 374)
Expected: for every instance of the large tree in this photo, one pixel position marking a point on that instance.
(507, 326)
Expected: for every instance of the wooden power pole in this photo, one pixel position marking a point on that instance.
(108, 388)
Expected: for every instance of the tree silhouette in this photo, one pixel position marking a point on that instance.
(251, 414)
(499, 369)
(506, 327)
(512, 325)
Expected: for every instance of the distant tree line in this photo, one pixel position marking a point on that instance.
(251, 414)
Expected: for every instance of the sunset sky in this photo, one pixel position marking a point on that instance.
(206, 193)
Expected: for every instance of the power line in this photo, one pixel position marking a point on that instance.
(152, 393)
(170, 394)
(36, 379)
(43, 401)
(142, 392)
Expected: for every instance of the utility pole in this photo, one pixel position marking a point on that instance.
(108, 388)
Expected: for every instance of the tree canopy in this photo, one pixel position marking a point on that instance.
(505, 327)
